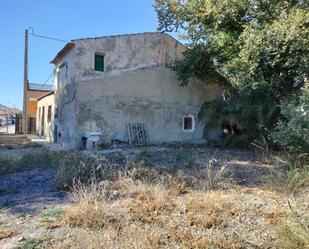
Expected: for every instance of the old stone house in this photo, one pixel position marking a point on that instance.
(122, 88)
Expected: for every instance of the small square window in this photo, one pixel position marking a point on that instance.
(99, 63)
(188, 122)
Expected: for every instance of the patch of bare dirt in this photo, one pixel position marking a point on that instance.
(23, 197)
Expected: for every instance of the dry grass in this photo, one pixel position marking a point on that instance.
(147, 208)
(115, 204)
(293, 232)
(213, 172)
(134, 211)
(7, 234)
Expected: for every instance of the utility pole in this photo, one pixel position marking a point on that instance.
(25, 104)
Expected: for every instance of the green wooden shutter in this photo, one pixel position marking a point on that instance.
(99, 63)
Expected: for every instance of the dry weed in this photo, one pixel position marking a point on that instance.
(209, 212)
(91, 207)
(7, 234)
(131, 213)
(213, 173)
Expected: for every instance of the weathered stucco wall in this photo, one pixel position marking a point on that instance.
(48, 125)
(153, 96)
(65, 92)
(125, 53)
(136, 86)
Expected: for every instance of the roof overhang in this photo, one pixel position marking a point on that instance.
(45, 95)
(63, 52)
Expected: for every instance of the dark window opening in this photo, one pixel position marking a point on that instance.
(43, 122)
(39, 113)
(55, 134)
(188, 123)
(99, 63)
(56, 112)
(49, 113)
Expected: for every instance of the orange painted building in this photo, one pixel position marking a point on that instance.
(33, 92)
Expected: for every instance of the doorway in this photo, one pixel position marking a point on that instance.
(43, 122)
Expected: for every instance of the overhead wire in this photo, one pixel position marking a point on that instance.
(49, 77)
(49, 38)
(45, 37)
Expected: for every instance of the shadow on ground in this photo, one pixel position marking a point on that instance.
(29, 191)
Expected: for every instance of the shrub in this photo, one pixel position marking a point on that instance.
(92, 207)
(213, 173)
(83, 167)
(289, 174)
(7, 164)
(51, 214)
(185, 160)
(30, 243)
(292, 131)
(37, 158)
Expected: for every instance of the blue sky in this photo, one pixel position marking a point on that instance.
(64, 19)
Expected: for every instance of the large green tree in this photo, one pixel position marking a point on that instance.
(258, 50)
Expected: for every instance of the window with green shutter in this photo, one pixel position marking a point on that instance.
(99, 63)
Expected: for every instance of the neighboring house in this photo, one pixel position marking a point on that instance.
(121, 87)
(32, 93)
(45, 116)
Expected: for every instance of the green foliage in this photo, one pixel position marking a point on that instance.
(37, 158)
(185, 160)
(30, 243)
(197, 63)
(6, 164)
(51, 214)
(292, 131)
(256, 50)
(76, 166)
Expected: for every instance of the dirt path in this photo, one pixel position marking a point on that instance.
(29, 190)
(23, 197)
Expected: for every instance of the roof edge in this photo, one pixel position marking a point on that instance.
(111, 36)
(46, 95)
(62, 52)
